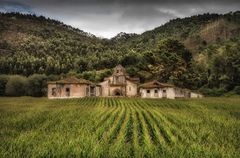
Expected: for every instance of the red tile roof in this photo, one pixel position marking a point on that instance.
(155, 84)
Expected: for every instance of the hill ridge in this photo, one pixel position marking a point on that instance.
(191, 52)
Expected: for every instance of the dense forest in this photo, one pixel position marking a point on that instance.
(201, 52)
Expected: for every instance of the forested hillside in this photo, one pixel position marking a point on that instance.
(198, 52)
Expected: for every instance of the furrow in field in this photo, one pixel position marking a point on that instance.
(100, 103)
(159, 126)
(117, 102)
(147, 139)
(168, 125)
(136, 135)
(129, 133)
(165, 131)
(173, 124)
(94, 101)
(111, 127)
(100, 111)
(110, 102)
(157, 136)
(116, 129)
(129, 126)
(152, 129)
(139, 128)
(138, 125)
(175, 130)
(103, 117)
(122, 140)
(106, 103)
(114, 102)
(83, 101)
(183, 127)
(101, 132)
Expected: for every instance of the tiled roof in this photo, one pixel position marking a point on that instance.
(72, 80)
(134, 79)
(155, 84)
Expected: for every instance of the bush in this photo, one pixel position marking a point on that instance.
(16, 86)
(100, 75)
(215, 92)
(237, 90)
(37, 85)
(89, 75)
(3, 82)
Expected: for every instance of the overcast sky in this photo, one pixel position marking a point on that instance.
(106, 18)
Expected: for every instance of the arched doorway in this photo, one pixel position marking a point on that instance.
(117, 92)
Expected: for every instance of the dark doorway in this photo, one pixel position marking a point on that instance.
(92, 91)
(67, 92)
(164, 94)
(117, 92)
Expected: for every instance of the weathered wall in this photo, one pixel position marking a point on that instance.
(104, 88)
(179, 93)
(131, 89)
(76, 91)
(98, 91)
(152, 94)
(195, 95)
(170, 94)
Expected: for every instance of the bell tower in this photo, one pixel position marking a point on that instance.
(119, 75)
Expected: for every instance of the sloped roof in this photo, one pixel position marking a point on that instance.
(155, 84)
(134, 79)
(72, 80)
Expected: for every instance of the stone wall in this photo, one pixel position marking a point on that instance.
(131, 89)
(104, 88)
(157, 93)
(75, 90)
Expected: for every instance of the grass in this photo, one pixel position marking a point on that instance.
(119, 127)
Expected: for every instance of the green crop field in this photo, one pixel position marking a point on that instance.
(119, 127)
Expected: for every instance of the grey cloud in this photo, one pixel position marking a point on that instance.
(126, 2)
(144, 18)
(108, 17)
(11, 6)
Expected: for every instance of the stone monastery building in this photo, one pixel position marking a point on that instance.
(119, 84)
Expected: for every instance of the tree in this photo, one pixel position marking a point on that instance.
(130, 59)
(37, 85)
(171, 61)
(16, 86)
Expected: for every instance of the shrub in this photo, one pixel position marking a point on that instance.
(3, 82)
(100, 75)
(237, 90)
(16, 86)
(37, 85)
(215, 92)
(89, 75)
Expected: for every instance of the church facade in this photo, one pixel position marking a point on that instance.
(119, 84)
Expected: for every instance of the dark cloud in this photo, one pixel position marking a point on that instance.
(11, 6)
(106, 18)
(126, 2)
